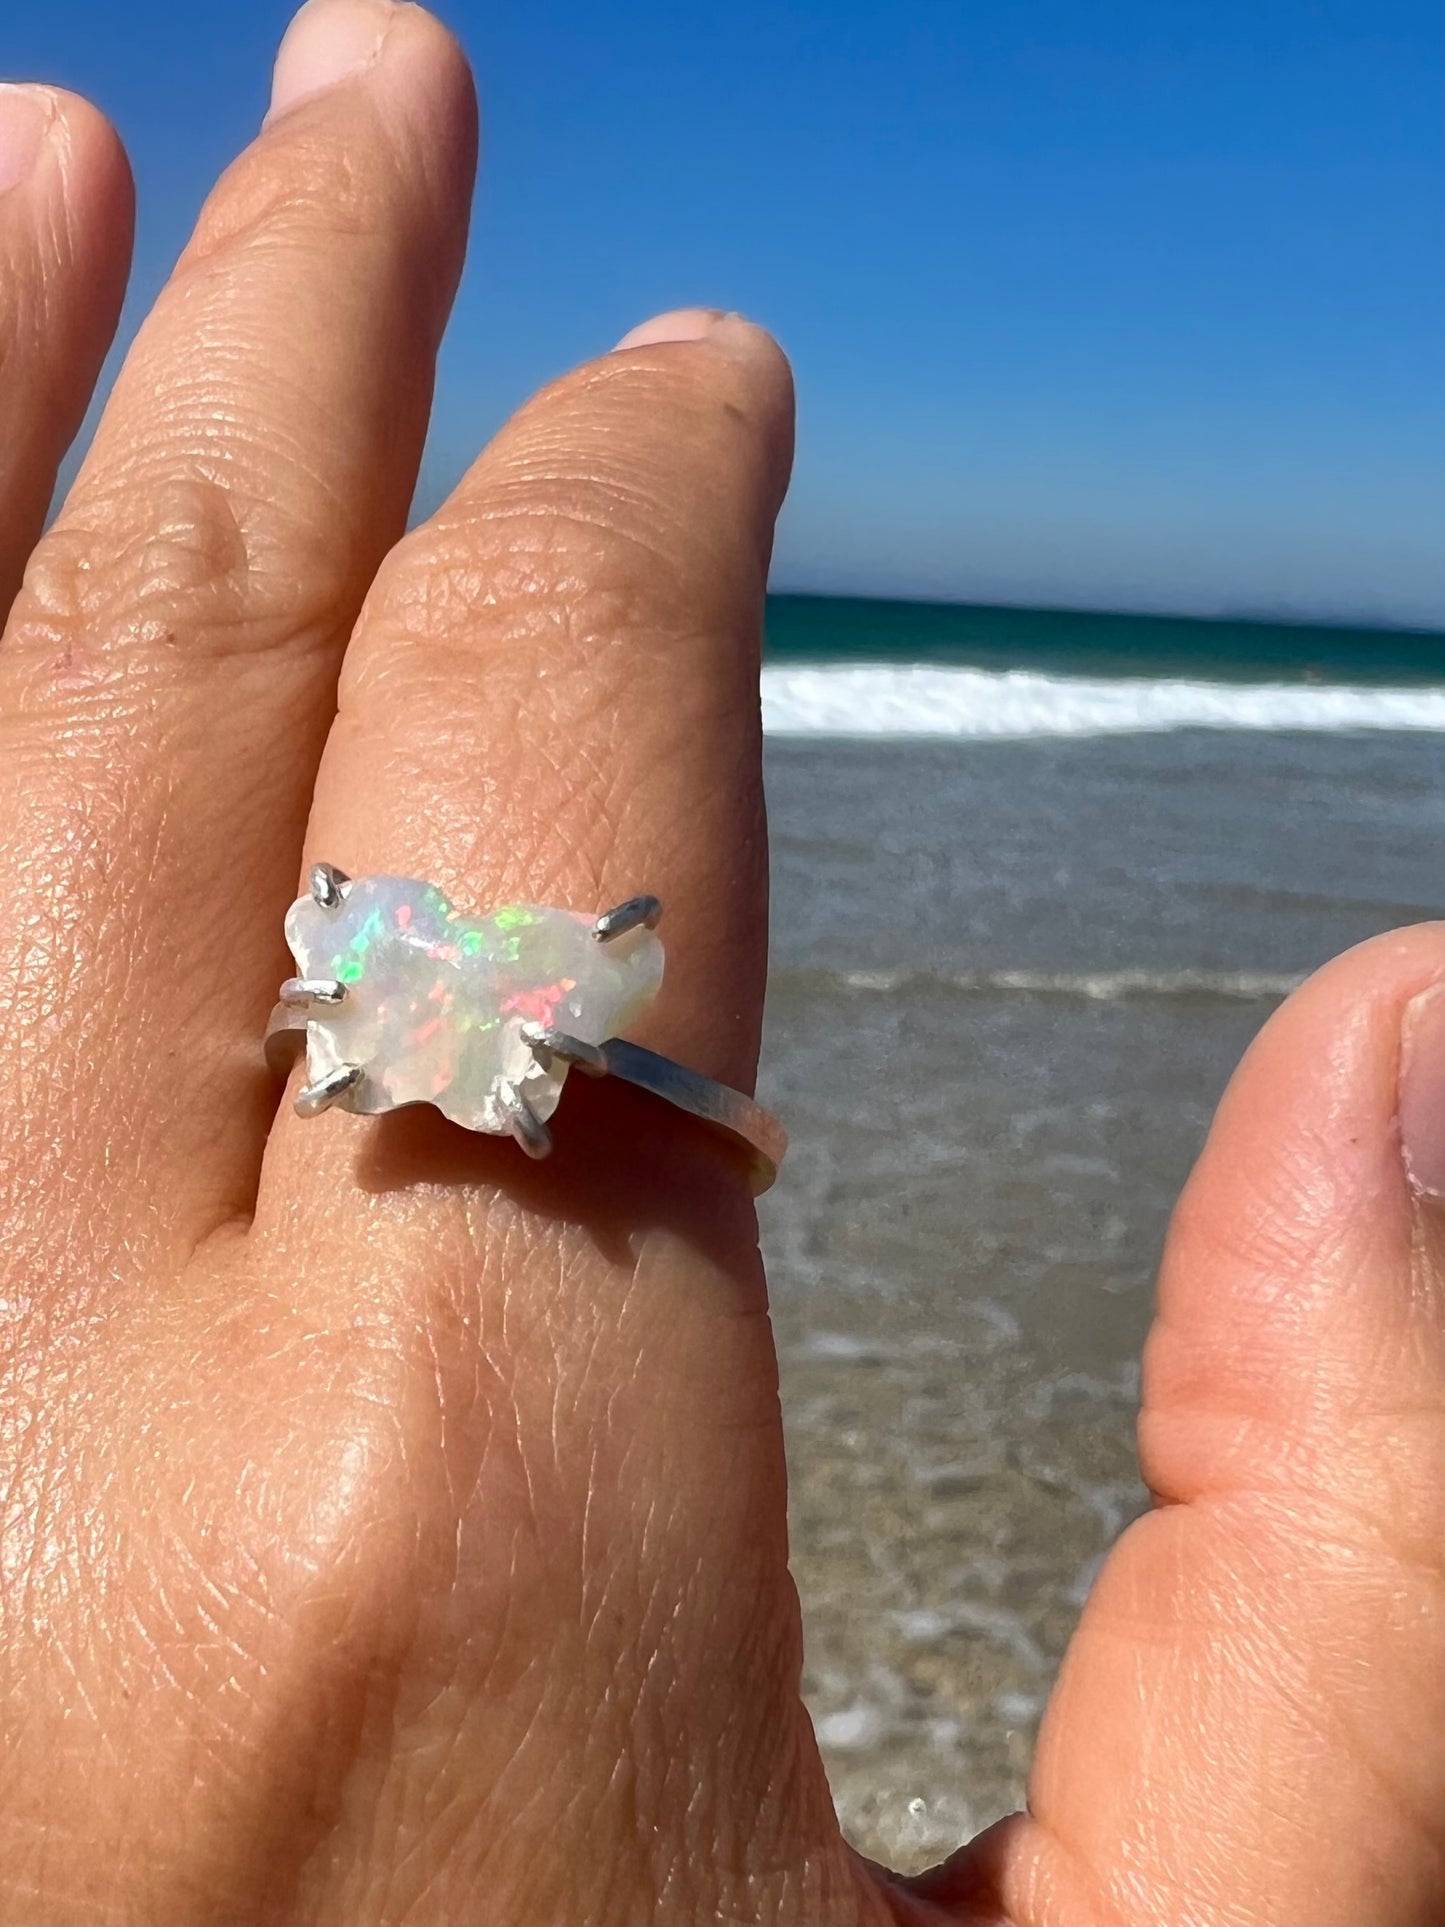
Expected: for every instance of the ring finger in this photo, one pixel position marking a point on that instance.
(552, 698)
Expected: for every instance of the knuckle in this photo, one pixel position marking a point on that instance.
(309, 181)
(597, 524)
(662, 470)
(541, 570)
(505, 605)
(708, 395)
(689, 416)
(597, 520)
(180, 570)
(617, 475)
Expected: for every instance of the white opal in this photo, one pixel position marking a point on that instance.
(435, 1000)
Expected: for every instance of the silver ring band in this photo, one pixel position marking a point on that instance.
(716, 1105)
(402, 1000)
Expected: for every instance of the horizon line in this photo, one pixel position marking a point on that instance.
(1381, 625)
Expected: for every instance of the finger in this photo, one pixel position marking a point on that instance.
(1247, 1726)
(170, 666)
(66, 215)
(552, 696)
(559, 672)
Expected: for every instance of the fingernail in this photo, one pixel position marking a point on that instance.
(1422, 1092)
(328, 41)
(682, 324)
(24, 117)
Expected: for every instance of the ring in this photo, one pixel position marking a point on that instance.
(400, 998)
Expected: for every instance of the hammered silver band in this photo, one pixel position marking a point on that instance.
(717, 1105)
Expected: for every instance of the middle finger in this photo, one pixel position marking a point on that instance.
(179, 629)
(552, 698)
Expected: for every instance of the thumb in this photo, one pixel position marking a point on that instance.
(1248, 1725)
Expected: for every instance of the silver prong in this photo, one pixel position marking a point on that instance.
(315, 1098)
(627, 916)
(526, 1127)
(548, 1043)
(300, 993)
(328, 885)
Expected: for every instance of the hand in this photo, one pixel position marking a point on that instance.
(394, 1530)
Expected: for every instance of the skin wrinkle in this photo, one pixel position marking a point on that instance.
(108, 968)
(65, 243)
(195, 572)
(1360, 1743)
(349, 1599)
(1279, 1466)
(71, 870)
(550, 1428)
(299, 184)
(1335, 1396)
(569, 525)
(1293, 1536)
(1312, 1712)
(529, 616)
(1426, 1269)
(46, 260)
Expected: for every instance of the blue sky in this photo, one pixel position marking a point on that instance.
(1116, 303)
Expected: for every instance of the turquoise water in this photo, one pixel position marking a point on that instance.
(807, 628)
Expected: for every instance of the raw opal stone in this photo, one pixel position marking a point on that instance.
(435, 1000)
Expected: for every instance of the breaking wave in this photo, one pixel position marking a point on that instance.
(1095, 986)
(928, 700)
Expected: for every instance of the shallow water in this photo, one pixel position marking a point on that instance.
(1010, 981)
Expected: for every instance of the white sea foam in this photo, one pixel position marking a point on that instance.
(933, 700)
(1091, 986)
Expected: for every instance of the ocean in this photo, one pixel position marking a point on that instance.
(1038, 879)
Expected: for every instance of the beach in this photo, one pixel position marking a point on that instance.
(1011, 973)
